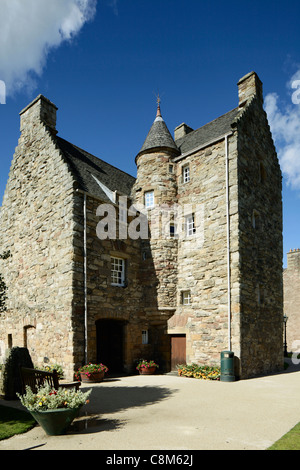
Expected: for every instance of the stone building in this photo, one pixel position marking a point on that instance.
(291, 297)
(178, 264)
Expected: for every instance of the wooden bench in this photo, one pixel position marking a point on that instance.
(35, 378)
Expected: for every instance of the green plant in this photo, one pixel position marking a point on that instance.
(199, 371)
(48, 398)
(11, 380)
(143, 363)
(90, 369)
(51, 368)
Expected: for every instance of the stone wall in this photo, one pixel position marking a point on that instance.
(37, 228)
(291, 283)
(202, 258)
(260, 243)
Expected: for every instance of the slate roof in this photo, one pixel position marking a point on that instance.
(159, 137)
(86, 167)
(209, 132)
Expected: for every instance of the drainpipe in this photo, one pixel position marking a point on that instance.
(228, 243)
(85, 278)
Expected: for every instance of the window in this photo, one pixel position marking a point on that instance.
(122, 211)
(186, 174)
(172, 230)
(190, 225)
(149, 199)
(171, 168)
(255, 219)
(117, 271)
(145, 337)
(186, 297)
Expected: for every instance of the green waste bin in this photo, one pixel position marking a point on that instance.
(227, 366)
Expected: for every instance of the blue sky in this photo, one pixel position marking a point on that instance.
(102, 63)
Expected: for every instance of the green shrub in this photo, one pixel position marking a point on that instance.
(12, 384)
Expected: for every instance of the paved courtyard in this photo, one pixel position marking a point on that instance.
(166, 412)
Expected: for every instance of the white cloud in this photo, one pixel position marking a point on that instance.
(284, 120)
(29, 29)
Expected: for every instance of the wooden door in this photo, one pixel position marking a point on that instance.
(178, 350)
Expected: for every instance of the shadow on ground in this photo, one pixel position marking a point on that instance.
(108, 399)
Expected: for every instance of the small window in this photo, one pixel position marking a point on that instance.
(190, 225)
(255, 220)
(122, 211)
(186, 297)
(145, 337)
(149, 199)
(186, 174)
(171, 168)
(117, 271)
(173, 230)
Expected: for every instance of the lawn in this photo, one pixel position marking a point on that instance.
(290, 441)
(13, 421)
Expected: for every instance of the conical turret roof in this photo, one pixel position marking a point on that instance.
(159, 136)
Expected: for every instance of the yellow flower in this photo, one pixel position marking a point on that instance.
(40, 403)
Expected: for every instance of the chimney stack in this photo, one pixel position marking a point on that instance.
(182, 130)
(39, 110)
(250, 86)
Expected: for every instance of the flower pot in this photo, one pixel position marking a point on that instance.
(147, 370)
(92, 377)
(55, 422)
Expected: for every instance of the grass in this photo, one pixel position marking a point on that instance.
(13, 421)
(290, 441)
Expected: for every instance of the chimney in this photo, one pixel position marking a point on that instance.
(181, 131)
(250, 86)
(39, 110)
(293, 260)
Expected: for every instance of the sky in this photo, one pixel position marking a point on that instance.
(103, 63)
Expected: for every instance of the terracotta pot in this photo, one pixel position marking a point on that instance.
(92, 378)
(147, 370)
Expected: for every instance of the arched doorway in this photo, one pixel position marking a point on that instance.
(110, 344)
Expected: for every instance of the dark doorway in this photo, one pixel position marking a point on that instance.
(110, 343)
(178, 350)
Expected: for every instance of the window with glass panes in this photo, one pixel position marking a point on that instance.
(186, 297)
(117, 271)
(190, 225)
(186, 174)
(149, 199)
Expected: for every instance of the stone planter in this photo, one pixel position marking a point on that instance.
(147, 370)
(55, 422)
(92, 378)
